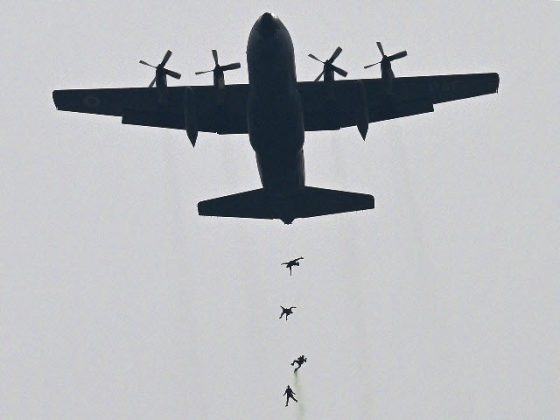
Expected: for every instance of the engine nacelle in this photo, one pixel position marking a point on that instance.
(190, 113)
(362, 117)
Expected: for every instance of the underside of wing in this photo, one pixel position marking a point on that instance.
(104, 101)
(446, 88)
(203, 107)
(345, 103)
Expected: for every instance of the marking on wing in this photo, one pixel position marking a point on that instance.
(92, 101)
(443, 86)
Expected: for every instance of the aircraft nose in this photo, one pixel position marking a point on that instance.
(266, 25)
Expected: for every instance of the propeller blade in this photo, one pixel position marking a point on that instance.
(152, 83)
(315, 58)
(336, 53)
(166, 58)
(338, 70)
(319, 77)
(397, 56)
(371, 65)
(215, 55)
(231, 66)
(380, 48)
(147, 64)
(172, 73)
(203, 72)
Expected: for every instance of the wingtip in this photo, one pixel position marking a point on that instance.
(369, 202)
(55, 96)
(495, 80)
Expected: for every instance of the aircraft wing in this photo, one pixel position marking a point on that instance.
(327, 106)
(221, 112)
(347, 102)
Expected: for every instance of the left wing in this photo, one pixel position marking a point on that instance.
(345, 103)
(213, 111)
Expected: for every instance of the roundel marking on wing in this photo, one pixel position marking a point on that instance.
(91, 101)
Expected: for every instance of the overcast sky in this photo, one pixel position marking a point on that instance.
(117, 301)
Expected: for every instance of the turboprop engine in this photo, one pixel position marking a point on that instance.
(387, 74)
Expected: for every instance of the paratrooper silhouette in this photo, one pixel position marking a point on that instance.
(289, 394)
(299, 361)
(292, 263)
(287, 311)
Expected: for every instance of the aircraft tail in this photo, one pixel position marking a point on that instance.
(308, 202)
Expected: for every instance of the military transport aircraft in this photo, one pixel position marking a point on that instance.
(276, 110)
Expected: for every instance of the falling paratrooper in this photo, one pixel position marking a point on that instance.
(292, 263)
(299, 361)
(287, 311)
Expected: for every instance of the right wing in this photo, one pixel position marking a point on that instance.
(344, 103)
(221, 112)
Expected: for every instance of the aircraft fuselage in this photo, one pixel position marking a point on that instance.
(274, 110)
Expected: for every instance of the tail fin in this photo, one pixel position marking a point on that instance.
(308, 202)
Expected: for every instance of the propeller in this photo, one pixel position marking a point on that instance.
(219, 70)
(161, 71)
(328, 67)
(386, 59)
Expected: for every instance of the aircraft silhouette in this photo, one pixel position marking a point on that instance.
(287, 311)
(275, 110)
(292, 263)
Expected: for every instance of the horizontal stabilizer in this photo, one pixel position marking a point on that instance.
(308, 202)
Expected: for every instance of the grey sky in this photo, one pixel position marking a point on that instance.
(118, 301)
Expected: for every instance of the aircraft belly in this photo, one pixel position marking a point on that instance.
(282, 174)
(275, 123)
(276, 133)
